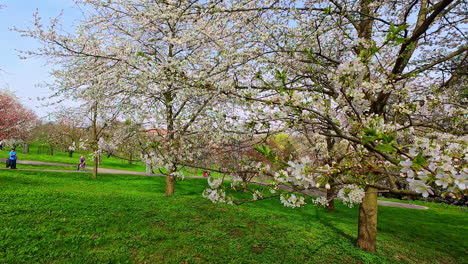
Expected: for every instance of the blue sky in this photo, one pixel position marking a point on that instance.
(18, 75)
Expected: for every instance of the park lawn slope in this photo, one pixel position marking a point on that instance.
(48, 217)
(62, 157)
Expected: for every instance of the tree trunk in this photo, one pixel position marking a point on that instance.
(95, 137)
(170, 180)
(149, 169)
(95, 167)
(367, 226)
(130, 159)
(331, 201)
(70, 154)
(25, 148)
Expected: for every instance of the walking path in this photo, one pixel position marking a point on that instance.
(100, 170)
(114, 171)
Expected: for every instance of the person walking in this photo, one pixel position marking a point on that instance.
(12, 158)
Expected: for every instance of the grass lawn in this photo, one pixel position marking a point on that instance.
(62, 157)
(49, 217)
(44, 167)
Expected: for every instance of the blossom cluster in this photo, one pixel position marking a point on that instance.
(351, 194)
(320, 201)
(440, 162)
(292, 200)
(298, 173)
(215, 195)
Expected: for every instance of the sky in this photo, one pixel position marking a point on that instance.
(22, 76)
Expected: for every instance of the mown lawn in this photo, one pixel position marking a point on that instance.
(48, 217)
(44, 167)
(62, 157)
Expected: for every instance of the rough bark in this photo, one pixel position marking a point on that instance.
(170, 180)
(168, 98)
(367, 226)
(95, 139)
(331, 201)
(95, 167)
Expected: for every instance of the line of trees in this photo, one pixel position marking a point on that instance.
(371, 87)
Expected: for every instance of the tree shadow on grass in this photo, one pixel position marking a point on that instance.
(329, 218)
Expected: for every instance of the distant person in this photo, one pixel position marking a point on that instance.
(12, 158)
(1, 145)
(206, 174)
(82, 164)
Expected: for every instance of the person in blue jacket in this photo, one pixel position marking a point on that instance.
(13, 158)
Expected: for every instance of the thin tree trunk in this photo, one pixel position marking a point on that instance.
(70, 154)
(95, 167)
(367, 226)
(244, 185)
(25, 148)
(168, 97)
(331, 201)
(95, 140)
(170, 180)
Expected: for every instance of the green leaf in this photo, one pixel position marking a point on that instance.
(267, 152)
(419, 160)
(327, 10)
(385, 148)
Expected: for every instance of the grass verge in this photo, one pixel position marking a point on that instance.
(49, 217)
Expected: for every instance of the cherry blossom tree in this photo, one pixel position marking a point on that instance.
(16, 121)
(151, 60)
(375, 80)
(372, 82)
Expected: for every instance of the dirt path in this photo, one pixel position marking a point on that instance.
(30, 162)
(114, 171)
(100, 170)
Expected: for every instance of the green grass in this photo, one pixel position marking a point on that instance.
(62, 157)
(44, 167)
(48, 217)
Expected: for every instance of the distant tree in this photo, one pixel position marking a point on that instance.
(66, 133)
(16, 121)
(69, 132)
(43, 135)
